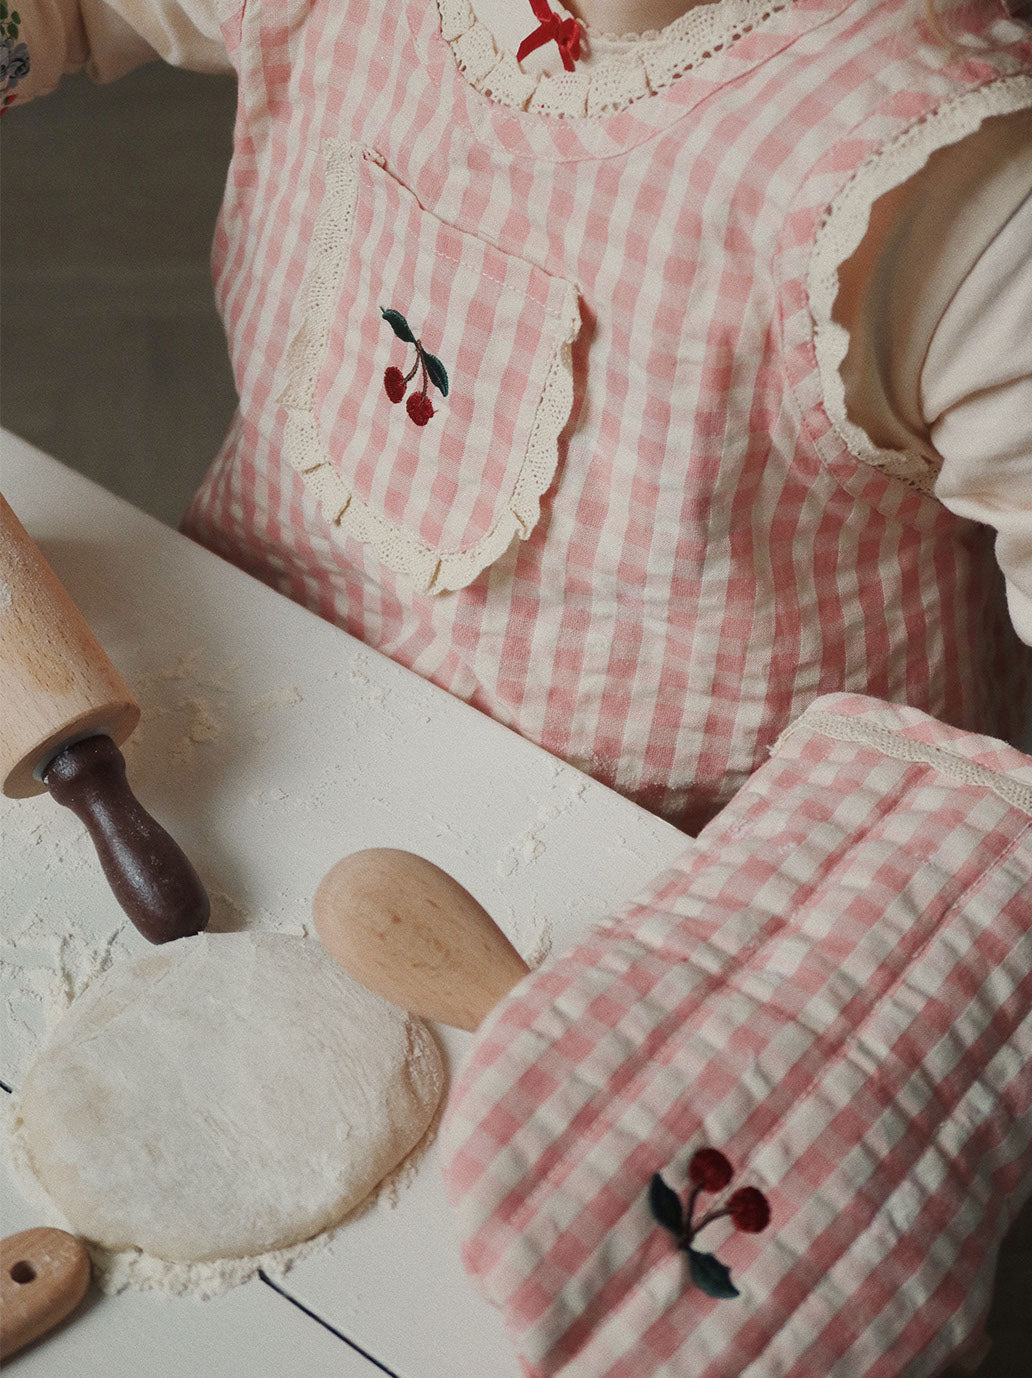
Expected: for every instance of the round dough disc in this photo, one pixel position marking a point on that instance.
(225, 1095)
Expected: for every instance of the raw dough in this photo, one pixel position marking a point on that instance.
(224, 1095)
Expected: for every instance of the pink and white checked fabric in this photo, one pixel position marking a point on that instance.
(833, 987)
(696, 554)
(439, 513)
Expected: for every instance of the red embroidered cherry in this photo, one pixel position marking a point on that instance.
(394, 384)
(418, 405)
(419, 408)
(709, 1170)
(749, 1209)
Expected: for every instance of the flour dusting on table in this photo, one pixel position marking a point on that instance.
(200, 746)
(63, 929)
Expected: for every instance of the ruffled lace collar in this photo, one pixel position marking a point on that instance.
(624, 68)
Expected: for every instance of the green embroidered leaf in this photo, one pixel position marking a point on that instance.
(665, 1205)
(16, 16)
(438, 376)
(399, 325)
(709, 1274)
(3, 10)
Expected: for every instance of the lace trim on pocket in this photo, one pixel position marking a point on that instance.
(400, 549)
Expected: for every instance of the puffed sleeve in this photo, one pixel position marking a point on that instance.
(976, 392)
(106, 38)
(937, 302)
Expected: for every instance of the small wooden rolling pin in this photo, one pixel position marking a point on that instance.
(44, 1275)
(406, 930)
(65, 712)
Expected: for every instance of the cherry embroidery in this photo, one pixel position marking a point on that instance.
(747, 1207)
(709, 1170)
(419, 408)
(395, 382)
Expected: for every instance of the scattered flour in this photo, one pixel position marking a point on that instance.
(540, 945)
(531, 844)
(49, 955)
(276, 698)
(192, 726)
(282, 1157)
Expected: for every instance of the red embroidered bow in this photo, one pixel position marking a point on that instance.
(565, 32)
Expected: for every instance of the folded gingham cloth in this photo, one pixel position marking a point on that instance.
(832, 989)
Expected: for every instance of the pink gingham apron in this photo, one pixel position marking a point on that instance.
(630, 530)
(614, 507)
(832, 987)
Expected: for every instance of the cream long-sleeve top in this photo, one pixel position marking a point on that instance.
(937, 300)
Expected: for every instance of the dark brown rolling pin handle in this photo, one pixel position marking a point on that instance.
(151, 877)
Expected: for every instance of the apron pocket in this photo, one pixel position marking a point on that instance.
(429, 380)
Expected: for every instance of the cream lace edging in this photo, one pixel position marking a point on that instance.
(646, 66)
(843, 229)
(900, 748)
(431, 570)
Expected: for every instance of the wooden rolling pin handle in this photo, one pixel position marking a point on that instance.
(44, 1275)
(152, 879)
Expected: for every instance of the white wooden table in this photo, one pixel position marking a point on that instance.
(271, 745)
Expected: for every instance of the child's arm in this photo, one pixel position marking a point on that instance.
(977, 395)
(830, 987)
(106, 38)
(937, 301)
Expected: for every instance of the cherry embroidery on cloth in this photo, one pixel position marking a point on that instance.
(14, 56)
(566, 33)
(395, 382)
(748, 1208)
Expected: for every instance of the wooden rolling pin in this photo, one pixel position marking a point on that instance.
(44, 1275)
(409, 932)
(65, 712)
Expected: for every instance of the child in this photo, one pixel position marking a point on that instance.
(732, 330)
(640, 390)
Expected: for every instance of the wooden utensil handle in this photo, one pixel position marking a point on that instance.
(152, 879)
(410, 932)
(44, 1274)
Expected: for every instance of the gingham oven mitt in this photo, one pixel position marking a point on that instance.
(828, 997)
